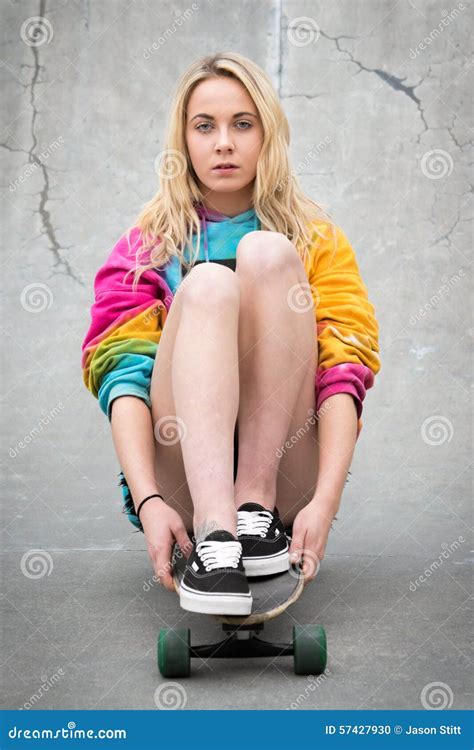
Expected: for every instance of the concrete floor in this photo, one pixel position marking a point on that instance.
(76, 615)
(88, 624)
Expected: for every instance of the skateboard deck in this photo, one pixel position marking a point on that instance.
(271, 594)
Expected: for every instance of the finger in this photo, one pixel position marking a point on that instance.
(168, 583)
(182, 537)
(311, 565)
(166, 578)
(163, 566)
(297, 545)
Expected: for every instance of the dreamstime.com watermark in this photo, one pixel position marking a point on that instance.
(304, 163)
(36, 297)
(39, 159)
(437, 297)
(302, 31)
(203, 531)
(437, 696)
(170, 429)
(301, 431)
(157, 310)
(313, 683)
(170, 31)
(436, 164)
(36, 563)
(448, 550)
(170, 696)
(437, 430)
(36, 30)
(302, 297)
(35, 431)
(69, 732)
(156, 578)
(438, 30)
(46, 684)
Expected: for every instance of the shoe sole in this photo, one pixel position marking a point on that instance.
(215, 604)
(266, 566)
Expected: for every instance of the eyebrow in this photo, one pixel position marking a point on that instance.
(210, 117)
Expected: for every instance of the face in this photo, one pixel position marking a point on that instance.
(223, 125)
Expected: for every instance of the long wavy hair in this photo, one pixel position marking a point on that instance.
(169, 220)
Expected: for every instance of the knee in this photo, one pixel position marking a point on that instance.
(210, 283)
(266, 251)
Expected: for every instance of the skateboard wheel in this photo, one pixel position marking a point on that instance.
(174, 654)
(310, 649)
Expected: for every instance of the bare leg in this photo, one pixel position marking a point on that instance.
(206, 392)
(278, 358)
(196, 389)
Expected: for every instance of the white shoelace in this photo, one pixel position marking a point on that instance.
(219, 554)
(254, 522)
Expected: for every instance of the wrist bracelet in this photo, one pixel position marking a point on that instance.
(144, 501)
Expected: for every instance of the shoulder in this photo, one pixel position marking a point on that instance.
(326, 234)
(127, 244)
(328, 242)
(130, 249)
(127, 252)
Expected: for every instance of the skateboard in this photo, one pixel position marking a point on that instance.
(271, 595)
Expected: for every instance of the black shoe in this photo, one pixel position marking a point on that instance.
(265, 549)
(214, 580)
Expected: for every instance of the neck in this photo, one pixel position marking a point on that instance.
(230, 204)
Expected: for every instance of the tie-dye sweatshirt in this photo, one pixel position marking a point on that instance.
(119, 349)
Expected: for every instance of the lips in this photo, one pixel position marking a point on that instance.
(225, 166)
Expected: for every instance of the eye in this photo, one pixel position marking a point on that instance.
(198, 127)
(208, 124)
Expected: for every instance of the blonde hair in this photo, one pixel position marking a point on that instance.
(169, 220)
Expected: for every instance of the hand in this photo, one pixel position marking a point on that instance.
(310, 534)
(163, 526)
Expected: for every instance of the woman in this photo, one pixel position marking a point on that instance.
(246, 319)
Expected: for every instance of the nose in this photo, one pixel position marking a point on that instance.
(223, 140)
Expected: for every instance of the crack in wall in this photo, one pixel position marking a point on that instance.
(398, 84)
(447, 235)
(390, 79)
(42, 210)
(306, 96)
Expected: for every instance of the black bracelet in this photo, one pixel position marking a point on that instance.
(144, 501)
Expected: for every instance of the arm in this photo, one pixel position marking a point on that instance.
(118, 355)
(337, 431)
(133, 436)
(120, 346)
(348, 360)
(346, 323)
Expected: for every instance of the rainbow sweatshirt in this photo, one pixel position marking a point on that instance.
(119, 349)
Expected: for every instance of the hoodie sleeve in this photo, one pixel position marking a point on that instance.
(119, 349)
(347, 328)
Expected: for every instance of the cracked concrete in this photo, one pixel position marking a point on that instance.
(61, 261)
(391, 79)
(85, 121)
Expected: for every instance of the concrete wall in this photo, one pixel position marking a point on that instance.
(380, 90)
